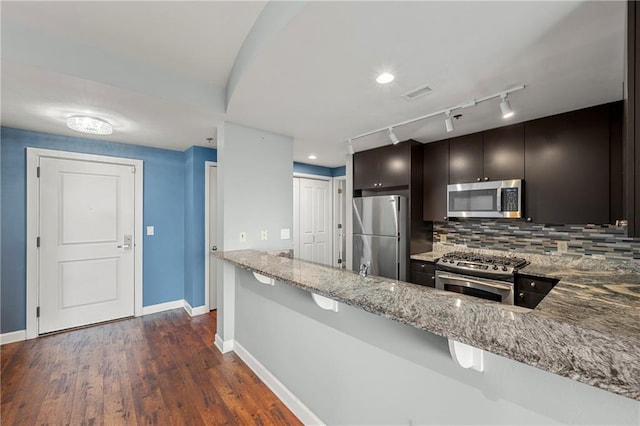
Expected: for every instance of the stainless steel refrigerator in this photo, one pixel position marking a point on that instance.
(380, 235)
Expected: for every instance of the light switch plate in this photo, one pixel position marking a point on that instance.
(285, 233)
(263, 235)
(150, 230)
(243, 237)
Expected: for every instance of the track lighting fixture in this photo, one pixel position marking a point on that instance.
(448, 122)
(505, 107)
(393, 137)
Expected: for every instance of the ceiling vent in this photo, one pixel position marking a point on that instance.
(416, 93)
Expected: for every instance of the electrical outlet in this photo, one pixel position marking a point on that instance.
(443, 238)
(563, 246)
(243, 237)
(285, 234)
(263, 235)
(150, 230)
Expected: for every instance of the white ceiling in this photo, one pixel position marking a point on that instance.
(159, 70)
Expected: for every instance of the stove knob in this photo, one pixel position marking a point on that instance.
(495, 267)
(504, 268)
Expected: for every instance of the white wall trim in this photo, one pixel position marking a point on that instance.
(33, 160)
(297, 407)
(198, 310)
(161, 307)
(207, 243)
(311, 176)
(223, 346)
(13, 336)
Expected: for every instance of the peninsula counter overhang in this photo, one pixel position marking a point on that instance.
(555, 337)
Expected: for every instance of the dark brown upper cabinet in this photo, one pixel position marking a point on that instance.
(496, 154)
(465, 159)
(382, 168)
(567, 168)
(504, 153)
(436, 178)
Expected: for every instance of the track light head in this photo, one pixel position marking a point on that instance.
(505, 107)
(392, 136)
(448, 122)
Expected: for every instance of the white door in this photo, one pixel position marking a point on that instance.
(86, 256)
(213, 182)
(314, 224)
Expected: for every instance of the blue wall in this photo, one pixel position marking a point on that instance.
(194, 253)
(313, 169)
(164, 208)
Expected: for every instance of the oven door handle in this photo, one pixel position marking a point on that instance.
(481, 283)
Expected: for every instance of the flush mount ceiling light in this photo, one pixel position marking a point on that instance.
(448, 122)
(392, 136)
(385, 78)
(505, 107)
(90, 125)
(312, 157)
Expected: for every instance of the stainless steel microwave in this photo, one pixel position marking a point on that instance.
(500, 199)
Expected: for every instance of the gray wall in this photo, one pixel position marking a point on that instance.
(353, 367)
(254, 192)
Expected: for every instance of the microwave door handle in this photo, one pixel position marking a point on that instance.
(480, 283)
(499, 200)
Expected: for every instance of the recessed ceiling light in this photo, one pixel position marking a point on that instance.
(312, 157)
(90, 125)
(385, 78)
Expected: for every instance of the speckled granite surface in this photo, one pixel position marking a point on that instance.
(586, 329)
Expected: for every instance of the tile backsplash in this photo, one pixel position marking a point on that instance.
(608, 241)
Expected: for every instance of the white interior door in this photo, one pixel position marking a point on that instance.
(314, 222)
(86, 258)
(213, 184)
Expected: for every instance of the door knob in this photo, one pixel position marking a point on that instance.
(214, 248)
(128, 241)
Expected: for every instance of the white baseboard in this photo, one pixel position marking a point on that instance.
(199, 310)
(223, 346)
(301, 411)
(161, 307)
(14, 336)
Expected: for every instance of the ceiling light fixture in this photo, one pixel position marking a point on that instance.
(448, 122)
(312, 157)
(392, 136)
(506, 113)
(505, 107)
(385, 78)
(90, 125)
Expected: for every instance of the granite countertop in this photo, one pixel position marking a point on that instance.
(587, 328)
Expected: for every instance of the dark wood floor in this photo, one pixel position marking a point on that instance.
(157, 369)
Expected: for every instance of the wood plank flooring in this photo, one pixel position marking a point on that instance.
(157, 369)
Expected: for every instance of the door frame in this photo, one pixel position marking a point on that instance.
(207, 243)
(33, 212)
(336, 215)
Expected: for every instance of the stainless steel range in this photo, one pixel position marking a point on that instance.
(487, 277)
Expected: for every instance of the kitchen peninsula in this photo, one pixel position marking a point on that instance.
(574, 332)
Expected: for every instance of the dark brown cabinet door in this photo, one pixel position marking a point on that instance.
(436, 178)
(466, 158)
(394, 165)
(504, 153)
(567, 168)
(365, 170)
